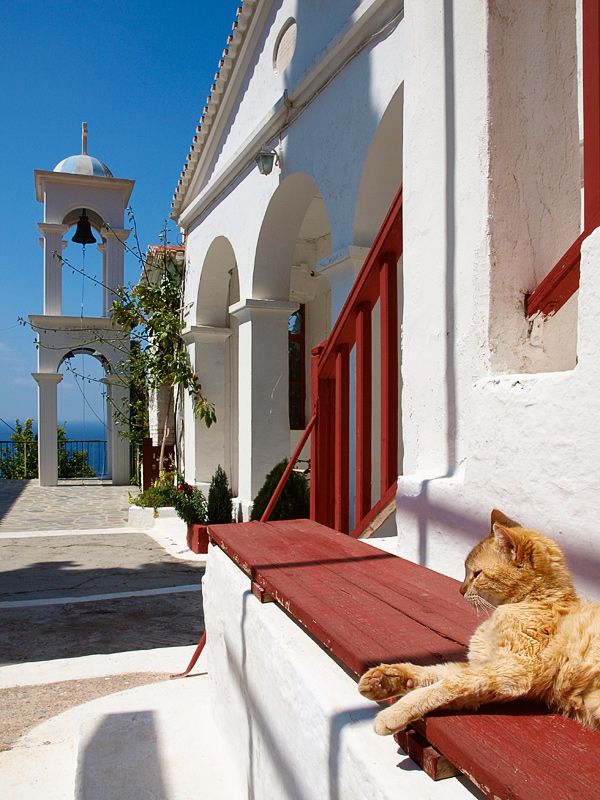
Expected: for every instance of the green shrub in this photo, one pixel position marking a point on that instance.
(190, 505)
(21, 459)
(219, 498)
(294, 500)
(161, 494)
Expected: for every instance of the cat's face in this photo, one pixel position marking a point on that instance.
(491, 578)
(512, 564)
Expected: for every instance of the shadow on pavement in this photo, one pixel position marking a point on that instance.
(47, 630)
(10, 491)
(121, 759)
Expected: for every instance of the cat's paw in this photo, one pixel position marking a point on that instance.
(386, 680)
(391, 720)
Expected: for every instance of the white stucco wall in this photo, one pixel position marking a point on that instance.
(479, 432)
(332, 138)
(532, 452)
(295, 726)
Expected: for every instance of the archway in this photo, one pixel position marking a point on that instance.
(83, 268)
(288, 313)
(380, 181)
(213, 348)
(296, 202)
(83, 410)
(382, 173)
(95, 337)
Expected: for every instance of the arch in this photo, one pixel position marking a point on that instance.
(87, 351)
(287, 214)
(96, 219)
(382, 173)
(218, 272)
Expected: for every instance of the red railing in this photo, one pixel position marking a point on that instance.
(562, 281)
(330, 388)
(330, 393)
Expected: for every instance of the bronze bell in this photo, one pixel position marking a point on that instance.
(83, 234)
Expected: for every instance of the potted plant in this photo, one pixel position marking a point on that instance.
(190, 505)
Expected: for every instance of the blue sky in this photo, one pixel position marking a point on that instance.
(138, 73)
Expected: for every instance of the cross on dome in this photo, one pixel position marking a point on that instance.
(83, 164)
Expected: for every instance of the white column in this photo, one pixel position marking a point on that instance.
(53, 246)
(47, 419)
(118, 446)
(109, 414)
(206, 448)
(112, 265)
(101, 248)
(341, 269)
(264, 427)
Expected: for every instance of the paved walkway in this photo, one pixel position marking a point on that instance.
(94, 616)
(73, 504)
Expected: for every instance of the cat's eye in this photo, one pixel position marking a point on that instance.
(476, 573)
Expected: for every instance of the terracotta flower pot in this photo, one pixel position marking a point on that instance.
(197, 538)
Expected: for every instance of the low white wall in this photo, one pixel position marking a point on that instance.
(166, 528)
(293, 720)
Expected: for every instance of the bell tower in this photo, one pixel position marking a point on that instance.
(80, 191)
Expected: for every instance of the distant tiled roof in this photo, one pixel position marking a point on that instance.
(160, 248)
(234, 41)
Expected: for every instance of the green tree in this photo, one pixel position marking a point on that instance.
(294, 500)
(72, 464)
(219, 498)
(21, 460)
(152, 313)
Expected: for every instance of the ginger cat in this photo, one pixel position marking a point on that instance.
(541, 641)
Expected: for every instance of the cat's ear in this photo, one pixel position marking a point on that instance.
(508, 543)
(502, 519)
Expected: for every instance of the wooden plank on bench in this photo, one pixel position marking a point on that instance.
(366, 607)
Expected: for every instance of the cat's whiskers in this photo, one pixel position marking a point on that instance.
(480, 604)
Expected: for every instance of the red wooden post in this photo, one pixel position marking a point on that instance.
(342, 439)
(322, 463)
(388, 292)
(288, 470)
(364, 403)
(591, 109)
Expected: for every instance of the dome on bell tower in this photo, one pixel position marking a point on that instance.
(83, 164)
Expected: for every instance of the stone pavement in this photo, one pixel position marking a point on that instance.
(77, 504)
(90, 611)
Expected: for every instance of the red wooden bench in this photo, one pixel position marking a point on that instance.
(365, 606)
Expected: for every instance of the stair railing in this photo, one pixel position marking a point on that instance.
(330, 388)
(330, 422)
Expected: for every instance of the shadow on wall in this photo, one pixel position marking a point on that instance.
(432, 515)
(121, 759)
(450, 101)
(269, 737)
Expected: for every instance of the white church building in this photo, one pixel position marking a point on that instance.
(390, 215)
(478, 113)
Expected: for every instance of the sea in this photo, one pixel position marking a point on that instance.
(93, 432)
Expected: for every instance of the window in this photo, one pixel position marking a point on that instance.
(297, 381)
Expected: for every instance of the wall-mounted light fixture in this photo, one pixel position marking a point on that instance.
(265, 159)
